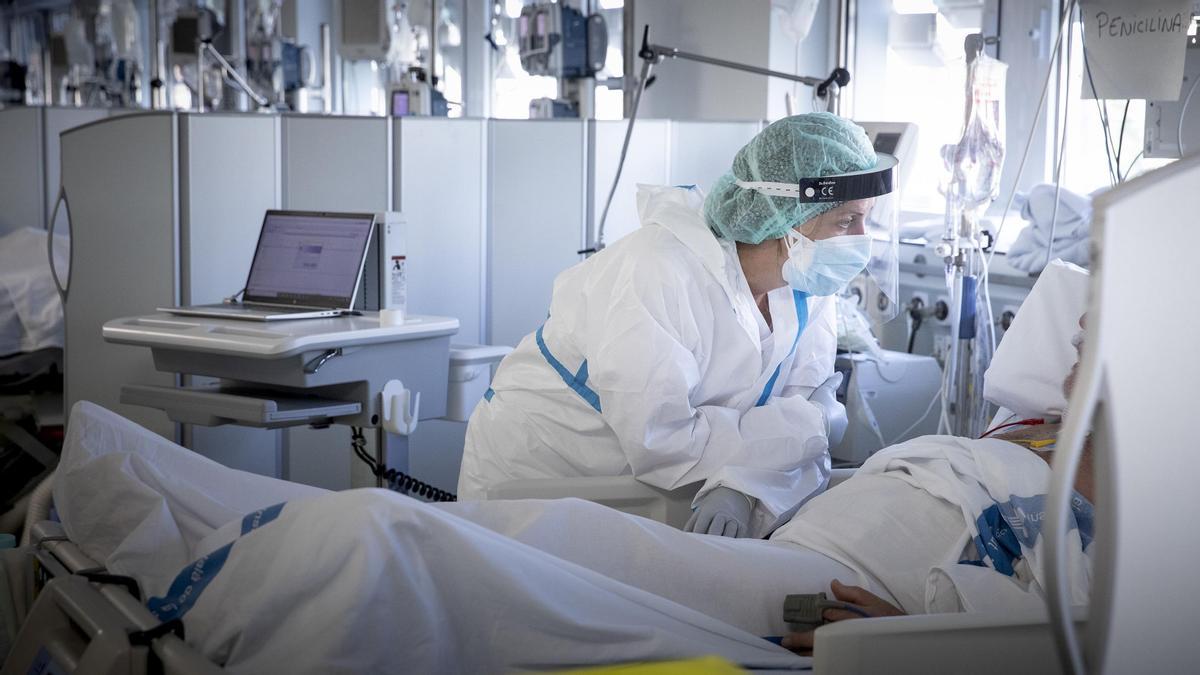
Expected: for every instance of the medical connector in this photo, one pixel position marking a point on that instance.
(804, 612)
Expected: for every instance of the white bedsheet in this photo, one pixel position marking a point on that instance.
(31, 316)
(367, 580)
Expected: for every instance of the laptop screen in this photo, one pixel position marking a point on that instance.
(310, 259)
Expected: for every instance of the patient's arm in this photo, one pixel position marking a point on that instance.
(861, 603)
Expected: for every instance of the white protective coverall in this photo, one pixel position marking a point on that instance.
(655, 361)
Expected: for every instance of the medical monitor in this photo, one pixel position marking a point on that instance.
(309, 259)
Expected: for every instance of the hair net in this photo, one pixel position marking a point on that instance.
(801, 146)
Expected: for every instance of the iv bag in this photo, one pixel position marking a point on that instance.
(975, 161)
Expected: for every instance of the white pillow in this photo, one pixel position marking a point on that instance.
(1036, 354)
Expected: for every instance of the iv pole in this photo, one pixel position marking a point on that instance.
(826, 89)
(970, 350)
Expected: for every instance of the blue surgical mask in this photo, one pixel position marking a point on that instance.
(826, 266)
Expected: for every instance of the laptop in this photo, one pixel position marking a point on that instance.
(307, 265)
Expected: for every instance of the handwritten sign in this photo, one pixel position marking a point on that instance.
(1135, 48)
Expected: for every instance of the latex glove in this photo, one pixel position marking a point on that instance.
(825, 397)
(723, 511)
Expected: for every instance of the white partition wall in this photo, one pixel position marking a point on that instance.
(702, 151)
(1144, 612)
(29, 160)
(220, 215)
(221, 206)
(124, 255)
(333, 164)
(536, 211)
(185, 234)
(647, 162)
(21, 188)
(336, 163)
(440, 186)
(54, 122)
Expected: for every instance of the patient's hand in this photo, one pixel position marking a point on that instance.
(857, 598)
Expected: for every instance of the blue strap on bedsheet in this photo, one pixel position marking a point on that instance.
(191, 581)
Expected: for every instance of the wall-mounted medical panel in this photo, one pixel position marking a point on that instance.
(30, 159)
(536, 206)
(336, 163)
(702, 151)
(647, 162)
(440, 187)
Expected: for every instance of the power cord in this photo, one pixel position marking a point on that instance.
(397, 481)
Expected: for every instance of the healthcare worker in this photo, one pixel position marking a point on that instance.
(700, 348)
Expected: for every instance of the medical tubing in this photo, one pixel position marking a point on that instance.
(912, 333)
(937, 396)
(1182, 112)
(598, 244)
(1110, 148)
(1012, 195)
(397, 481)
(1062, 147)
(844, 606)
(988, 321)
(1023, 423)
(1121, 136)
(1125, 176)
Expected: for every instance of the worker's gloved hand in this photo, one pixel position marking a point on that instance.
(825, 397)
(723, 511)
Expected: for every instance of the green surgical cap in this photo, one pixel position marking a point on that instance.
(801, 146)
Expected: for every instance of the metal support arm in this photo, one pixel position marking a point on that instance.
(656, 53)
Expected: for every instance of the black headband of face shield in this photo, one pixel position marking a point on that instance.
(850, 186)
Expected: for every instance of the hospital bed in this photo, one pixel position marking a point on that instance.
(31, 358)
(92, 622)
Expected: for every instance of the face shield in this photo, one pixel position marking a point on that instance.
(881, 223)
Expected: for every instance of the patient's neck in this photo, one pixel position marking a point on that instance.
(1085, 479)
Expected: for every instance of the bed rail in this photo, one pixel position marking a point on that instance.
(85, 621)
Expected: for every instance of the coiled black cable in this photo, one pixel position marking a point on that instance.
(397, 481)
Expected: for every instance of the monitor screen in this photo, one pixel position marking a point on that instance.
(400, 104)
(309, 259)
(887, 142)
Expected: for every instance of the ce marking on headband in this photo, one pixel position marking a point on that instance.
(826, 190)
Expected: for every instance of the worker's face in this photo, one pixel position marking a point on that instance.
(847, 218)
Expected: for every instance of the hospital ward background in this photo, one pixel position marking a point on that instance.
(599, 336)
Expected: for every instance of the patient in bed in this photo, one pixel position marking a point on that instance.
(859, 602)
(269, 576)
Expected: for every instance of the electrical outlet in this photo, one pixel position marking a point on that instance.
(945, 299)
(923, 297)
